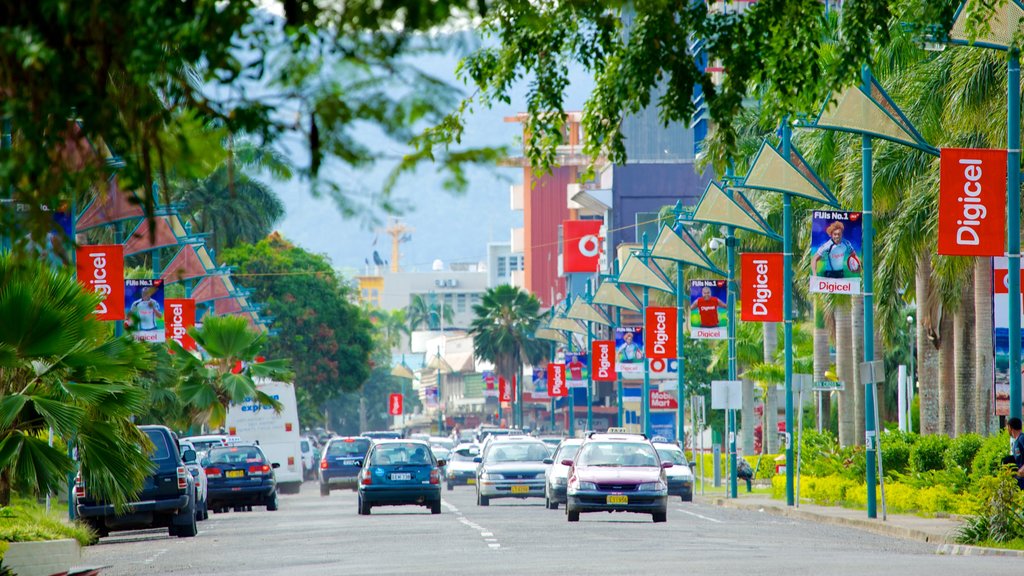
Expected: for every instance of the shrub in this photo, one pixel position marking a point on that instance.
(896, 451)
(928, 453)
(987, 461)
(27, 521)
(899, 497)
(1000, 519)
(962, 450)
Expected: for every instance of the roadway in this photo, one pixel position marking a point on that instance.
(324, 536)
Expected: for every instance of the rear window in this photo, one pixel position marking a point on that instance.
(517, 452)
(161, 451)
(348, 448)
(235, 455)
(401, 454)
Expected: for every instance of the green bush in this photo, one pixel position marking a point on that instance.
(962, 450)
(896, 448)
(928, 453)
(987, 461)
(999, 519)
(27, 521)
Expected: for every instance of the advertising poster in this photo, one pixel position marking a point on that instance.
(603, 356)
(660, 341)
(629, 351)
(556, 380)
(430, 397)
(708, 309)
(490, 385)
(666, 372)
(835, 252)
(100, 269)
(395, 404)
(581, 250)
(972, 202)
(1001, 339)
(761, 287)
(144, 309)
(179, 316)
(540, 384)
(577, 368)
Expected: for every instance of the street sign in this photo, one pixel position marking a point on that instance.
(802, 382)
(829, 386)
(726, 395)
(871, 372)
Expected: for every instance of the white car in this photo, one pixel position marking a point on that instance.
(511, 467)
(199, 474)
(307, 445)
(557, 476)
(679, 476)
(460, 468)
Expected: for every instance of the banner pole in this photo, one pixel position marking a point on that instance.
(1013, 223)
(645, 398)
(680, 364)
(869, 309)
(787, 304)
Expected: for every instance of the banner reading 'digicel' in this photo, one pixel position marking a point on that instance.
(101, 269)
(179, 316)
(972, 202)
(660, 340)
(761, 288)
(835, 252)
(602, 354)
(557, 387)
(708, 320)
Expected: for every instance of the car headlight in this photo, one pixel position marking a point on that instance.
(586, 486)
(491, 476)
(651, 486)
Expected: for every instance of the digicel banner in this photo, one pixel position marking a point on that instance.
(972, 202)
(395, 404)
(602, 360)
(556, 381)
(660, 340)
(101, 269)
(761, 287)
(663, 401)
(179, 316)
(504, 390)
(581, 245)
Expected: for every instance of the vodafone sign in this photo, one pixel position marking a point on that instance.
(603, 361)
(101, 269)
(395, 404)
(972, 202)
(556, 381)
(660, 340)
(663, 401)
(581, 246)
(179, 316)
(761, 287)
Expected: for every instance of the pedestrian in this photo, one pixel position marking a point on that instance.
(744, 471)
(1016, 457)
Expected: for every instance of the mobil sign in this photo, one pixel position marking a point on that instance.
(101, 270)
(179, 316)
(603, 358)
(660, 340)
(395, 404)
(660, 400)
(761, 287)
(972, 202)
(581, 250)
(557, 387)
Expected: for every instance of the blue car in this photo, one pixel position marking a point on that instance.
(400, 472)
(240, 476)
(341, 462)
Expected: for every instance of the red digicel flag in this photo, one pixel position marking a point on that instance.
(581, 245)
(395, 404)
(761, 287)
(660, 340)
(101, 269)
(602, 360)
(504, 390)
(179, 316)
(663, 401)
(556, 381)
(972, 202)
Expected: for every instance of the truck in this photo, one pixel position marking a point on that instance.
(276, 433)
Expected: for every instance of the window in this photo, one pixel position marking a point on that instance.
(502, 272)
(160, 449)
(460, 303)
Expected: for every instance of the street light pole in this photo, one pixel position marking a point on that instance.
(869, 308)
(1013, 223)
(787, 307)
(730, 246)
(646, 393)
(440, 416)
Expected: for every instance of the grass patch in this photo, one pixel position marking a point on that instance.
(27, 521)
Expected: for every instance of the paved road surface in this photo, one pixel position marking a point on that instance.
(324, 536)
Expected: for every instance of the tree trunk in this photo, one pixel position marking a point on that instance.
(5, 488)
(844, 369)
(928, 341)
(983, 345)
(886, 409)
(749, 419)
(857, 337)
(822, 360)
(947, 377)
(770, 434)
(965, 418)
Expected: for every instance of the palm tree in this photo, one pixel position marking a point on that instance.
(61, 369)
(391, 327)
(422, 314)
(210, 386)
(233, 207)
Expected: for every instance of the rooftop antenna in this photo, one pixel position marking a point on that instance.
(399, 233)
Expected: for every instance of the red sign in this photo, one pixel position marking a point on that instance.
(556, 381)
(504, 390)
(602, 360)
(581, 246)
(972, 202)
(761, 287)
(101, 270)
(663, 400)
(660, 340)
(179, 316)
(395, 404)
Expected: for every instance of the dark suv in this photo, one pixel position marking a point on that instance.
(167, 498)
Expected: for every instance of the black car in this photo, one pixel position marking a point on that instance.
(240, 476)
(341, 461)
(167, 498)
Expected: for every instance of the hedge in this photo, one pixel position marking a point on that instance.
(900, 498)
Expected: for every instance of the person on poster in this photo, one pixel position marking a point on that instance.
(707, 306)
(840, 258)
(146, 309)
(629, 351)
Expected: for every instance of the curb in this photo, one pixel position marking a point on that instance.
(863, 524)
(965, 550)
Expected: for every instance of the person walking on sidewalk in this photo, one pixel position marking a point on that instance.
(1016, 456)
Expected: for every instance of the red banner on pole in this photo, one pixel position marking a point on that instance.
(761, 287)
(972, 202)
(556, 381)
(101, 269)
(504, 390)
(179, 316)
(395, 404)
(602, 358)
(663, 401)
(581, 246)
(662, 329)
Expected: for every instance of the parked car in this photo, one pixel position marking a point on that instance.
(680, 475)
(397, 473)
(617, 473)
(167, 498)
(240, 476)
(199, 475)
(557, 475)
(511, 467)
(341, 462)
(460, 468)
(307, 447)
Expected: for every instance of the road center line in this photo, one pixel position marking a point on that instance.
(158, 554)
(699, 516)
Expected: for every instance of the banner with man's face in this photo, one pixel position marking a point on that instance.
(708, 302)
(540, 383)
(577, 367)
(835, 252)
(629, 351)
(144, 309)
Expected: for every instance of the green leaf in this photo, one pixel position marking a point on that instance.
(10, 406)
(64, 418)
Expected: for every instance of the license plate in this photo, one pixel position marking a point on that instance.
(349, 463)
(401, 476)
(520, 489)
(470, 480)
(617, 499)
(235, 473)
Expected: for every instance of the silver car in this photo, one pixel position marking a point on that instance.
(557, 475)
(680, 476)
(461, 469)
(511, 467)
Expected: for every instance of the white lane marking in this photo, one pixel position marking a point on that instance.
(699, 516)
(158, 554)
(494, 545)
(486, 534)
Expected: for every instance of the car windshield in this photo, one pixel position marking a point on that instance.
(630, 454)
(235, 455)
(349, 447)
(517, 452)
(674, 456)
(440, 452)
(401, 453)
(204, 445)
(567, 452)
(464, 454)
(160, 449)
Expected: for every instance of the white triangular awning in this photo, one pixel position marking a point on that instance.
(580, 310)
(717, 207)
(402, 371)
(609, 294)
(1003, 23)
(873, 114)
(550, 334)
(679, 247)
(567, 325)
(771, 171)
(637, 273)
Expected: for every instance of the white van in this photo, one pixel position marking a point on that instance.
(276, 433)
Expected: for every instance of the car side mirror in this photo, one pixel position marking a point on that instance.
(566, 462)
(548, 461)
(189, 456)
(477, 459)
(275, 465)
(666, 464)
(441, 463)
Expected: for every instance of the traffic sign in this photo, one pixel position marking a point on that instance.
(871, 372)
(726, 394)
(829, 386)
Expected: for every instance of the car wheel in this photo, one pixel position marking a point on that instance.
(435, 507)
(660, 516)
(325, 490)
(186, 530)
(272, 503)
(482, 500)
(687, 497)
(364, 507)
(572, 515)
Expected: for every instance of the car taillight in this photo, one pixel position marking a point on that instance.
(367, 480)
(213, 473)
(435, 476)
(259, 469)
(323, 464)
(182, 478)
(79, 486)
(291, 460)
